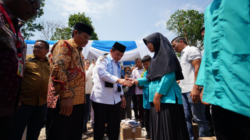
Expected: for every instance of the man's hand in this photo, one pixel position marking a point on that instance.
(123, 102)
(125, 82)
(134, 81)
(201, 95)
(157, 102)
(178, 82)
(195, 94)
(66, 105)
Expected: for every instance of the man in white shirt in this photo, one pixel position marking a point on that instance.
(88, 88)
(190, 62)
(136, 73)
(107, 94)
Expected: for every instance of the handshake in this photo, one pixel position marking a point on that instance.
(127, 82)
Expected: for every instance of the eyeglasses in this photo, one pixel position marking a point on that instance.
(35, 3)
(37, 47)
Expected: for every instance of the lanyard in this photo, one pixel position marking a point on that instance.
(18, 43)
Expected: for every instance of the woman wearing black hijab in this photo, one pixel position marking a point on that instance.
(167, 120)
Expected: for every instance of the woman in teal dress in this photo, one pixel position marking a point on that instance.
(167, 121)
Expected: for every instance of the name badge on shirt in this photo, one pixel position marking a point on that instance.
(20, 68)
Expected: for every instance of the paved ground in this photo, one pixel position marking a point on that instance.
(90, 135)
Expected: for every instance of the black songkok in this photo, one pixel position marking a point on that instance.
(84, 28)
(119, 47)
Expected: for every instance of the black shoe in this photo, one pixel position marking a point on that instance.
(147, 137)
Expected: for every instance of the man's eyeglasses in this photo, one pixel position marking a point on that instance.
(35, 3)
(37, 47)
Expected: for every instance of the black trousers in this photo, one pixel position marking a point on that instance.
(60, 127)
(229, 125)
(147, 119)
(126, 112)
(110, 114)
(5, 127)
(140, 107)
(209, 120)
(135, 106)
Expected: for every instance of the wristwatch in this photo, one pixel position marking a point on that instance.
(122, 95)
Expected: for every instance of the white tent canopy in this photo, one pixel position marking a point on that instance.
(94, 49)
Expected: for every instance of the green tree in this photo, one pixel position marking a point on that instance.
(31, 26)
(66, 33)
(187, 24)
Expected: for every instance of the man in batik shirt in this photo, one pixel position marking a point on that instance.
(66, 91)
(12, 57)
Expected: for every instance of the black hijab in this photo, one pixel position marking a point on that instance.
(164, 60)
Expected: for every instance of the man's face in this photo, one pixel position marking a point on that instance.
(117, 55)
(25, 9)
(39, 50)
(177, 46)
(138, 63)
(202, 34)
(146, 65)
(81, 39)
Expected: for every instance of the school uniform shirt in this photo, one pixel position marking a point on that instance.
(100, 93)
(167, 86)
(224, 70)
(146, 103)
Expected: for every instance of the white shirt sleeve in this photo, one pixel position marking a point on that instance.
(122, 91)
(194, 53)
(103, 74)
(133, 74)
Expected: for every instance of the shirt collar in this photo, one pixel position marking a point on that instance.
(140, 68)
(184, 49)
(33, 57)
(74, 44)
(112, 59)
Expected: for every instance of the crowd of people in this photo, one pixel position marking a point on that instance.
(64, 90)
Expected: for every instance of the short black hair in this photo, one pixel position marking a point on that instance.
(179, 38)
(146, 58)
(202, 29)
(137, 59)
(45, 43)
(79, 32)
(127, 68)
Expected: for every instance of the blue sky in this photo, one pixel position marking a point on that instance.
(121, 19)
